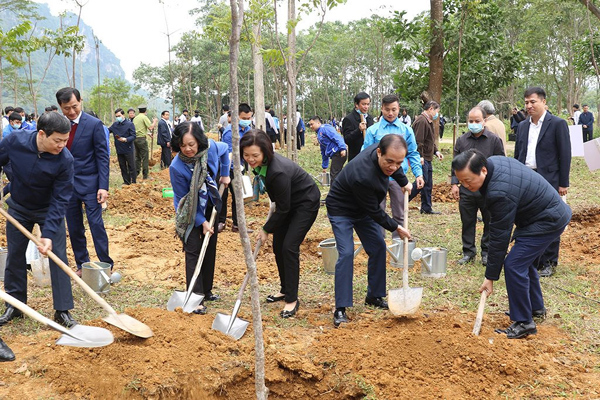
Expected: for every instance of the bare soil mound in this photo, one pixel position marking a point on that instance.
(428, 356)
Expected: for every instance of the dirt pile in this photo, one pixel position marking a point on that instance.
(428, 356)
(581, 240)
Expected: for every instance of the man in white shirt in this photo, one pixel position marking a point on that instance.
(198, 119)
(576, 114)
(405, 118)
(184, 116)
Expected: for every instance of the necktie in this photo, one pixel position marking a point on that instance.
(71, 135)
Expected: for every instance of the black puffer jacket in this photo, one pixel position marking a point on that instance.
(516, 195)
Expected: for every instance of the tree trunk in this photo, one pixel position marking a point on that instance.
(436, 56)
(237, 15)
(259, 85)
(592, 7)
(292, 121)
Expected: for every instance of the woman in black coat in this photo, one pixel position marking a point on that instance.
(297, 200)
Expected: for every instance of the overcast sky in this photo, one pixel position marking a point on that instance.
(135, 30)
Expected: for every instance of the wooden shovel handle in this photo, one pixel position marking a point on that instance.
(479, 318)
(211, 222)
(60, 263)
(405, 261)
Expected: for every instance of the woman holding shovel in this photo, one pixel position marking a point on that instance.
(297, 199)
(196, 168)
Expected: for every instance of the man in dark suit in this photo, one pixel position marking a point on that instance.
(87, 144)
(353, 127)
(165, 132)
(124, 133)
(586, 120)
(543, 144)
(41, 186)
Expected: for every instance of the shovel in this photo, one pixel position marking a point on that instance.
(405, 301)
(231, 325)
(122, 321)
(77, 336)
(479, 318)
(188, 300)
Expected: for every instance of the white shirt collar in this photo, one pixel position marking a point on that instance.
(76, 120)
(540, 120)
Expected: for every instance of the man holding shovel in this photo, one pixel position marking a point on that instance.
(515, 195)
(41, 186)
(353, 202)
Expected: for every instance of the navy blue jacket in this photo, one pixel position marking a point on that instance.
(164, 133)
(587, 118)
(361, 186)
(91, 161)
(126, 130)
(40, 182)
(553, 150)
(516, 195)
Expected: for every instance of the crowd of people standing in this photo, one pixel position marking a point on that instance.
(368, 159)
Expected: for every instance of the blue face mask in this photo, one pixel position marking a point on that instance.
(120, 119)
(244, 123)
(475, 128)
(16, 126)
(435, 116)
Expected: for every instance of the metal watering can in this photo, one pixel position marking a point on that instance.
(433, 261)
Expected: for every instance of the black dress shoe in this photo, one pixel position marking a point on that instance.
(6, 354)
(519, 330)
(9, 315)
(431, 212)
(378, 302)
(65, 319)
(538, 314)
(274, 299)
(212, 297)
(465, 260)
(339, 317)
(221, 227)
(484, 260)
(201, 310)
(547, 270)
(290, 313)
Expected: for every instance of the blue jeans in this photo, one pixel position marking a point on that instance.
(521, 275)
(369, 233)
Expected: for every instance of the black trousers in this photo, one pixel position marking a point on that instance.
(15, 276)
(286, 247)
(165, 157)
(468, 205)
(588, 134)
(204, 283)
(426, 190)
(337, 163)
(127, 165)
(223, 213)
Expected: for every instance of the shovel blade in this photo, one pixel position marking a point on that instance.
(86, 336)
(178, 300)
(405, 301)
(237, 330)
(129, 324)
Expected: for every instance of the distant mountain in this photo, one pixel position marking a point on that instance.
(86, 75)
